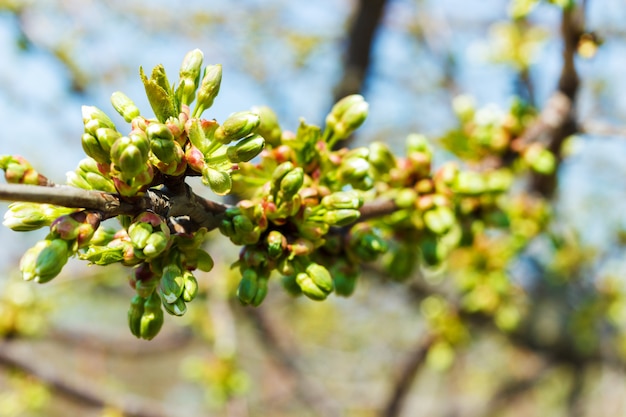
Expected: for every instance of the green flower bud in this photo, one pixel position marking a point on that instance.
(406, 198)
(107, 137)
(237, 126)
(355, 171)
(342, 217)
(209, 88)
(500, 180)
(540, 159)
(130, 154)
(343, 200)
(381, 157)
(470, 183)
(205, 262)
(439, 220)
(152, 318)
(139, 232)
(346, 116)
(190, 289)
(94, 114)
(219, 181)
(365, 243)
(344, 277)
(320, 276)
(94, 149)
(24, 217)
(177, 308)
(292, 182)
(418, 143)
(172, 283)
(261, 291)
(269, 127)
(73, 179)
(124, 106)
(135, 312)
(248, 286)
(98, 182)
(245, 149)
(276, 244)
(308, 287)
(45, 260)
(162, 143)
(400, 261)
(189, 75)
(156, 244)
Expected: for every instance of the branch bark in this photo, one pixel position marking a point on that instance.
(177, 202)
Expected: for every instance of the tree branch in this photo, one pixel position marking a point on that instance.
(557, 120)
(82, 393)
(177, 201)
(404, 381)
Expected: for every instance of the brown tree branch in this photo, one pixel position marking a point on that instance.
(409, 370)
(557, 120)
(81, 393)
(358, 51)
(177, 201)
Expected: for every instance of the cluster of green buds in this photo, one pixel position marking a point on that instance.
(68, 234)
(491, 133)
(305, 211)
(175, 143)
(18, 170)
